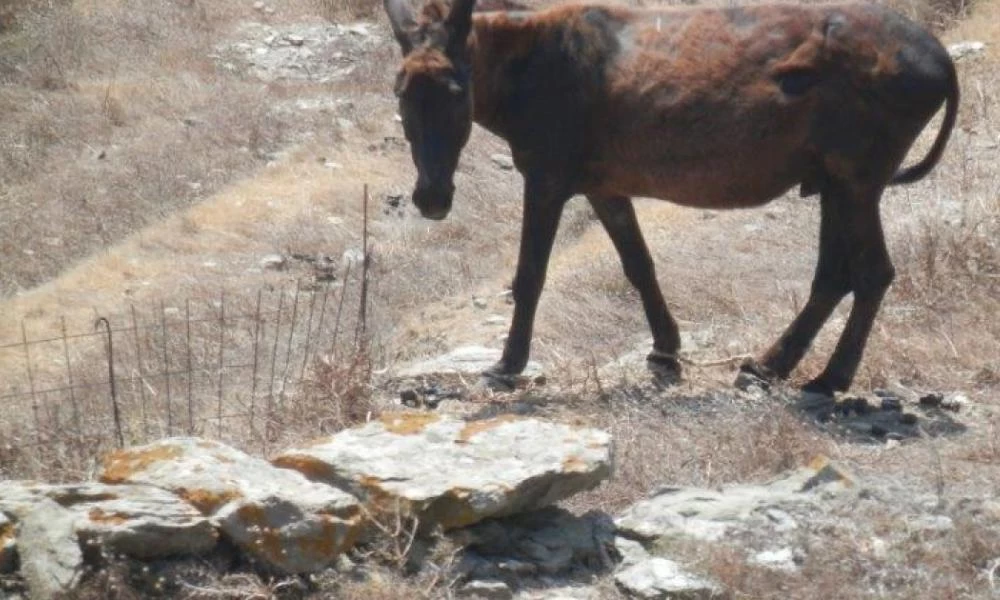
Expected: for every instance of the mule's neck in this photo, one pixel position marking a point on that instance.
(499, 38)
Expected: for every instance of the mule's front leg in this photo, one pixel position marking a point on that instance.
(543, 205)
(618, 217)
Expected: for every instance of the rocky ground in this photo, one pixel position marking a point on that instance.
(468, 501)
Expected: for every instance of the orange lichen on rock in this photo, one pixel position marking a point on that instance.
(97, 515)
(574, 464)
(268, 541)
(327, 543)
(453, 510)
(380, 501)
(6, 533)
(312, 468)
(476, 427)
(407, 423)
(207, 501)
(121, 466)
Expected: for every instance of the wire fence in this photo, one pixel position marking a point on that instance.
(161, 370)
(223, 367)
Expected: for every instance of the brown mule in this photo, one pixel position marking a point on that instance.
(714, 108)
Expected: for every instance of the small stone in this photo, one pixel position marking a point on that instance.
(779, 560)
(891, 444)
(352, 257)
(495, 320)
(879, 548)
(961, 50)
(991, 508)
(854, 404)
(486, 590)
(781, 519)
(479, 302)
(357, 29)
(954, 402)
(879, 430)
(409, 398)
(273, 262)
(631, 551)
(503, 161)
(932, 400)
(258, 5)
(663, 578)
(932, 524)
(295, 40)
(908, 419)
(891, 403)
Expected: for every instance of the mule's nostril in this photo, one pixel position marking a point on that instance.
(434, 202)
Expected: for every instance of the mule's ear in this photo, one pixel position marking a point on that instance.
(403, 24)
(459, 23)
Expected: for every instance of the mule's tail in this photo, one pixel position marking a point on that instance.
(922, 168)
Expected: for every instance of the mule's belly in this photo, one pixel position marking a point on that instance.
(702, 172)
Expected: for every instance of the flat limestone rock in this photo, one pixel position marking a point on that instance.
(657, 578)
(51, 559)
(140, 521)
(708, 514)
(453, 473)
(276, 516)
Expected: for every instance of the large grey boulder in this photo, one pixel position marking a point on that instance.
(276, 516)
(453, 473)
(140, 521)
(49, 550)
(709, 514)
(661, 578)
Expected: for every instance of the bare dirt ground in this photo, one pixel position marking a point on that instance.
(158, 159)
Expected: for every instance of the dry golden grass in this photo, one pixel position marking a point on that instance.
(136, 81)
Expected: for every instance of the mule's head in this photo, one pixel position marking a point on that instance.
(435, 99)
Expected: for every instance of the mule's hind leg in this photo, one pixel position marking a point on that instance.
(831, 283)
(852, 258)
(618, 217)
(871, 273)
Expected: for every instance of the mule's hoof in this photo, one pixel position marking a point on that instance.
(753, 374)
(666, 369)
(498, 379)
(746, 380)
(819, 387)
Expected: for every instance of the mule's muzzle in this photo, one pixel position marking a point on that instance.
(434, 201)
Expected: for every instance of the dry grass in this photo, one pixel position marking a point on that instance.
(136, 82)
